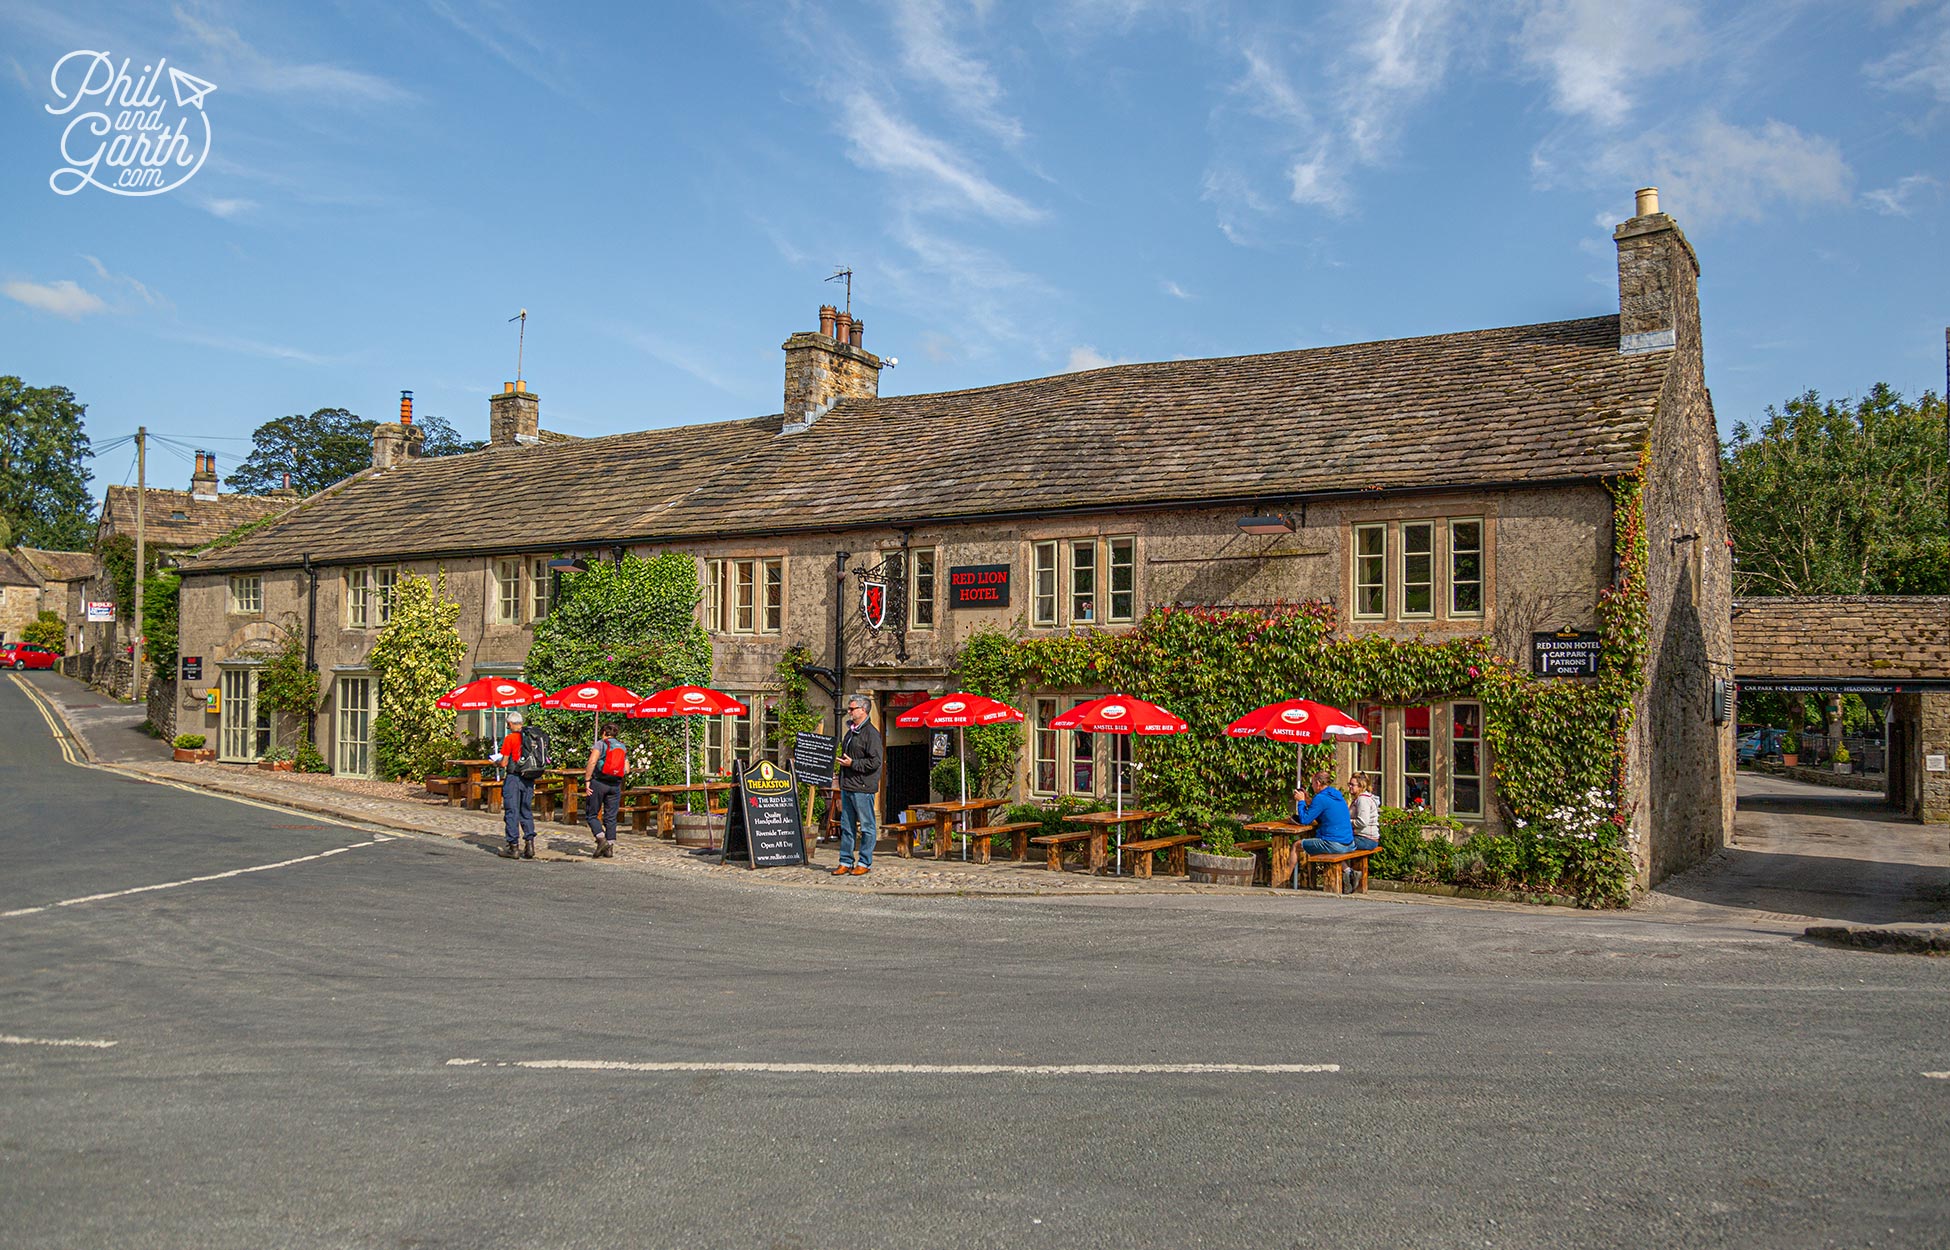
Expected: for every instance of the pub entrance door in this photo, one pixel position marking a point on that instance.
(907, 778)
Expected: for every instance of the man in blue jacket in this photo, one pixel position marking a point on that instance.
(1327, 812)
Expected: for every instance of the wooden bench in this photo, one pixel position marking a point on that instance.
(639, 808)
(490, 796)
(1173, 845)
(980, 839)
(903, 831)
(1332, 883)
(442, 786)
(1057, 841)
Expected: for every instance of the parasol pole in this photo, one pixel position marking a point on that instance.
(961, 817)
(1117, 784)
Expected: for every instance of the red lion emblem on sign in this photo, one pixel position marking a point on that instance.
(873, 604)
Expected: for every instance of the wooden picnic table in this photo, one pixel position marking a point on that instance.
(1281, 836)
(1099, 826)
(667, 800)
(468, 792)
(572, 782)
(977, 811)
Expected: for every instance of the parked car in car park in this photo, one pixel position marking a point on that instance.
(1760, 743)
(27, 655)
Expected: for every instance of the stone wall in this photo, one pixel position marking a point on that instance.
(1681, 764)
(162, 709)
(1932, 801)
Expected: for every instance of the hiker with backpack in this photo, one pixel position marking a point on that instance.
(602, 786)
(524, 758)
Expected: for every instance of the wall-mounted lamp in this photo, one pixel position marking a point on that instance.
(1263, 523)
(568, 566)
(1685, 538)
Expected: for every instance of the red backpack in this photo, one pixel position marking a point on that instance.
(616, 761)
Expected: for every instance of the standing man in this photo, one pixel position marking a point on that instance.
(517, 793)
(859, 761)
(602, 785)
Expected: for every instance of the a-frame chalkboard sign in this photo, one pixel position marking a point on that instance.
(762, 827)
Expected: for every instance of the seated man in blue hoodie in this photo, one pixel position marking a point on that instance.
(1327, 812)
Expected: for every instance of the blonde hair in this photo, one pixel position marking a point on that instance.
(1358, 781)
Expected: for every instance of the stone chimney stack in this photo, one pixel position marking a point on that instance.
(1658, 279)
(392, 442)
(203, 483)
(825, 366)
(514, 416)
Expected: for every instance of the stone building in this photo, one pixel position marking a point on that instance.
(173, 521)
(33, 581)
(1864, 644)
(1456, 485)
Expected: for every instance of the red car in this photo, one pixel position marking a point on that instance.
(27, 655)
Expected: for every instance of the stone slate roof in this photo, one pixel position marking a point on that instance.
(57, 566)
(15, 573)
(204, 519)
(1889, 637)
(1519, 405)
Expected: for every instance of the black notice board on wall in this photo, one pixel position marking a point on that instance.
(192, 667)
(978, 586)
(762, 827)
(1567, 653)
(813, 756)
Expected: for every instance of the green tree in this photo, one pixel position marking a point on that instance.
(46, 630)
(327, 446)
(44, 500)
(1840, 497)
(633, 623)
(416, 659)
(160, 619)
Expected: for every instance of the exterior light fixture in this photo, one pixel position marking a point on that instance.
(567, 566)
(1264, 523)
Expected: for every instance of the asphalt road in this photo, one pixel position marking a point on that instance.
(282, 1075)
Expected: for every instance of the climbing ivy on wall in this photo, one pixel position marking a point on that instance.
(416, 659)
(1554, 743)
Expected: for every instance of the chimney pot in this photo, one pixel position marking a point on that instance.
(1648, 201)
(859, 333)
(827, 315)
(507, 388)
(843, 327)
(210, 461)
(406, 407)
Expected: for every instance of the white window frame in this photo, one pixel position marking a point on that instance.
(1435, 711)
(385, 584)
(505, 574)
(1046, 711)
(1456, 582)
(352, 739)
(1045, 603)
(1081, 593)
(920, 588)
(246, 594)
(1370, 570)
(541, 587)
(358, 598)
(1112, 565)
(1479, 776)
(745, 595)
(771, 598)
(1429, 582)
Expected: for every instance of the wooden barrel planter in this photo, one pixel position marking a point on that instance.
(1210, 869)
(697, 829)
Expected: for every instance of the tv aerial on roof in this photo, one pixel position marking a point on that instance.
(844, 273)
(521, 339)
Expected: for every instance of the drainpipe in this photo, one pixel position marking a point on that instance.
(311, 636)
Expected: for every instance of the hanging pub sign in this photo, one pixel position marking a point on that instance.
(762, 827)
(192, 668)
(873, 604)
(979, 586)
(1566, 653)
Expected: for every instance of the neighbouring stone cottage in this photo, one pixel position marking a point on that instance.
(1458, 486)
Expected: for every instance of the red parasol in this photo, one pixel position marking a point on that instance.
(490, 692)
(1120, 714)
(1301, 722)
(958, 711)
(688, 701)
(594, 696)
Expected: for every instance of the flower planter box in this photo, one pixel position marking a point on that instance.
(1210, 869)
(1790, 759)
(200, 755)
(276, 766)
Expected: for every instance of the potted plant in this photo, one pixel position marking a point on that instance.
(1216, 862)
(1790, 751)
(1841, 758)
(278, 760)
(189, 749)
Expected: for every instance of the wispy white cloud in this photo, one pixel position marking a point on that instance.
(1177, 292)
(227, 208)
(684, 359)
(241, 65)
(974, 289)
(1593, 52)
(149, 298)
(501, 30)
(1401, 57)
(247, 346)
(63, 298)
(938, 173)
(1903, 199)
(930, 53)
(1085, 356)
(1717, 171)
(1921, 62)
(1318, 182)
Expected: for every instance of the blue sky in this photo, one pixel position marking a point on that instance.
(1019, 189)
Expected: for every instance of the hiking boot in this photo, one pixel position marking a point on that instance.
(528, 848)
(609, 848)
(509, 851)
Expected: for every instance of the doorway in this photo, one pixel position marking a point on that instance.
(907, 777)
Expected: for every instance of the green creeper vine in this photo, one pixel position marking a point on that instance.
(1557, 746)
(417, 659)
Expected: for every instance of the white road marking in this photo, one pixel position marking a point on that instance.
(40, 703)
(901, 1069)
(171, 885)
(1938, 1076)
(8, 1039)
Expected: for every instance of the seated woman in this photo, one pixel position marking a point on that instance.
(1326, 810)
(1366, 811)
